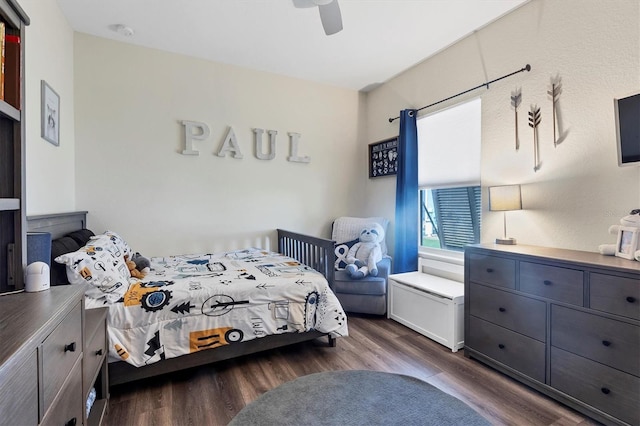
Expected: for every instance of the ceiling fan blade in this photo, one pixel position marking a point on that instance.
(331, 17)
(303, 4)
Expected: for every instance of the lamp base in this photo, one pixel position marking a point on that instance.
(508, 241)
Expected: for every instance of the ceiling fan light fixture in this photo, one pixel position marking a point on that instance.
(122, 29)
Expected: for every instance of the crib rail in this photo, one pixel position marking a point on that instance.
(318, 253)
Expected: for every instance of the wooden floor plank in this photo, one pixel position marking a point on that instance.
(213, 394)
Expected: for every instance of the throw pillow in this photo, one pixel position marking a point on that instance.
(341, 250)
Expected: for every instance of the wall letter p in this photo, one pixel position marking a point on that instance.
(193, 131)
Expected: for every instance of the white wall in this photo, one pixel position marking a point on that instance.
(132, 179)
(50, 174)
(594, 47)
(126, 101)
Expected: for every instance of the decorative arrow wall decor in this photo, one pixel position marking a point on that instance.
(534, 121)
(516, 98)
(554, 93)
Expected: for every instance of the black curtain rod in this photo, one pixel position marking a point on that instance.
(525, 68)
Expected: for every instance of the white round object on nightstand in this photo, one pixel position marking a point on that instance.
(37, 277)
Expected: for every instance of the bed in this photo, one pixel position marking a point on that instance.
(257, 318)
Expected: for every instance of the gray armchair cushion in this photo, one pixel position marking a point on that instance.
(370, 285)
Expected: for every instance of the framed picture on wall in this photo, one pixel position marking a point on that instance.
(627, 243)
(50, 114)
(383, 158)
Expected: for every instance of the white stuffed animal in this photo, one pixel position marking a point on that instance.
(364, 255)
(632, 220)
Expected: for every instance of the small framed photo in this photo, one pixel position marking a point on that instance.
(50, 114)
(627, 243)
(383, 158)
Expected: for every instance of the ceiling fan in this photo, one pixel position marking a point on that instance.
(329, 13)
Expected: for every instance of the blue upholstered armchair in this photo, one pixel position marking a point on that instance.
(369, 294)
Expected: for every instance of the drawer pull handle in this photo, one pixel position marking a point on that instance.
(99, 352)
(501, 346)
(605, 391)
(71, 347)
(631, 299)
(606, 343)
(489, 270)
(502, 309)
(71, 422)
(546, 282)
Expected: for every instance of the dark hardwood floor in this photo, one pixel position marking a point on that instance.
(212, 395)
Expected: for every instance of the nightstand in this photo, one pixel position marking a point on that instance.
(41, 357)
(94, 369)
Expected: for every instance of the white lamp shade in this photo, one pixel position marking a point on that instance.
(506, 197)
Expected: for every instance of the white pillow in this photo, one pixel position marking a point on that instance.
(112, 242)
(348, 228)
(94, 265)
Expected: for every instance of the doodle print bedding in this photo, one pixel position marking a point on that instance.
(190, 303)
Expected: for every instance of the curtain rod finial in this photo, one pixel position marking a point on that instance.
(527, 67)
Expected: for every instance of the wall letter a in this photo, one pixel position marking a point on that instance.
(230, 144)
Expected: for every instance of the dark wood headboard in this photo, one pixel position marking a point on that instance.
(58, 224)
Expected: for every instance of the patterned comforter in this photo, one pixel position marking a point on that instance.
(190, 303)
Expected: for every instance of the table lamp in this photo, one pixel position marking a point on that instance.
(505, 198)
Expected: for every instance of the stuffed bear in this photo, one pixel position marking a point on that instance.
(142, 263)
(632, 220)
(136, 271)
(364, 255)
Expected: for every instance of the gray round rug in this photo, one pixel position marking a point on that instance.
(357, 397)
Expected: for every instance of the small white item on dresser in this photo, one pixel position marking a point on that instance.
(37, 277)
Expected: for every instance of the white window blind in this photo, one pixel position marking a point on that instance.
(449, 147)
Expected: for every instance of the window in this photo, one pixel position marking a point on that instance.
(449, 177)
(450, 217)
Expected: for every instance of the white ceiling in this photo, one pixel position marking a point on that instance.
(380, 39)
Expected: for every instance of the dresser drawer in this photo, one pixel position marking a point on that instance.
(70, 404)
(610, 342)
(552, 282)
(60, 351)
(492, 270)
(512, 349)
(96, 348)
(518, 313)
(19, 392)
(615, 295)
(605, 388)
